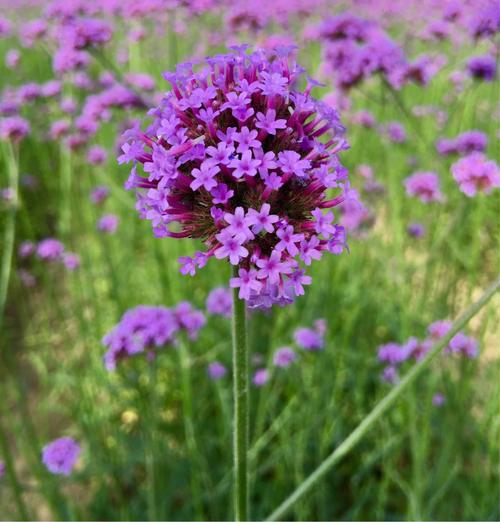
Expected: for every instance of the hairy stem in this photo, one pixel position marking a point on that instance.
(240, 397)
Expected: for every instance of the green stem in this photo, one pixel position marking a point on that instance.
(377, 412)
(12, 474)
(240, 397)
(187, 406)
(10, 228)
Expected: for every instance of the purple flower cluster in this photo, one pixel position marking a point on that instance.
(216, 371)
(14, 128)
(239, 158)
(144, 329)
(311, 339)
(424, 186)
(50, 250)
(219, 302)
(486, 22)
(476, 173)
(355, 49)
(60, 455)
(482, 67)
(394, 355)
(74, 36)
(464, 143)
(99, 194)
(308, 339)
(108, 223)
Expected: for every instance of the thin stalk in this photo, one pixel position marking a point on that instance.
(187, 406)
(10, 227)
(64, 224)
(352, 440)
(240, 397)
(12, 474)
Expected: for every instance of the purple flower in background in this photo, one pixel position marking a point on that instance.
(14, 128)
(439, 329)
(219, 302)
(97, 155)
(284, 357)
(216, 371)
(71, 261)
(12, 58)
(260, 377)
(364, 118)
(5, 27)
(475, 173)
(50, 249)
(2, 468)
(148, 328)
(234, 156)
(464, 345)
(392, 354)
(465, 143)
(416, 230)
(108, 223)
(390, 374)
(438, 400)
(424, 186)
(486, 22)
(26, 249)
(396, 132)
(482, 68)
(27, 279)
(310, 339)
(60, 455)
(99, 194)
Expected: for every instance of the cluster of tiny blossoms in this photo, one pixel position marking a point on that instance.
(238, 157)
(146, 328)
(394, 355)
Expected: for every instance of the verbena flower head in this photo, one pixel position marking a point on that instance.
(438, 399)
(219, 302)
(416, 229)
(99, 194)
(108, 223)
(2, 468)
(216, 370)
(311, 339)
(260, 377)
(60, 455)
(14, 128)
(424, 186)
(50, 249)
(284, 357)
(482, 67)
(144, 329)
(476, 173)
(240, 158)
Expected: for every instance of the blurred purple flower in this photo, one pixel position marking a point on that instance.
(60, 455)
(260, 377)
(219, 302)
(475, 173)
(424, 186)
(284, 357)
(216, 371)
(108, 223)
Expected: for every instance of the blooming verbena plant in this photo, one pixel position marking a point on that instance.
(476, 173)
(394, 354)
(241, 158)
(145, 329)
(60, 455)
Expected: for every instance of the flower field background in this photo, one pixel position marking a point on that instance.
(138, 401)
